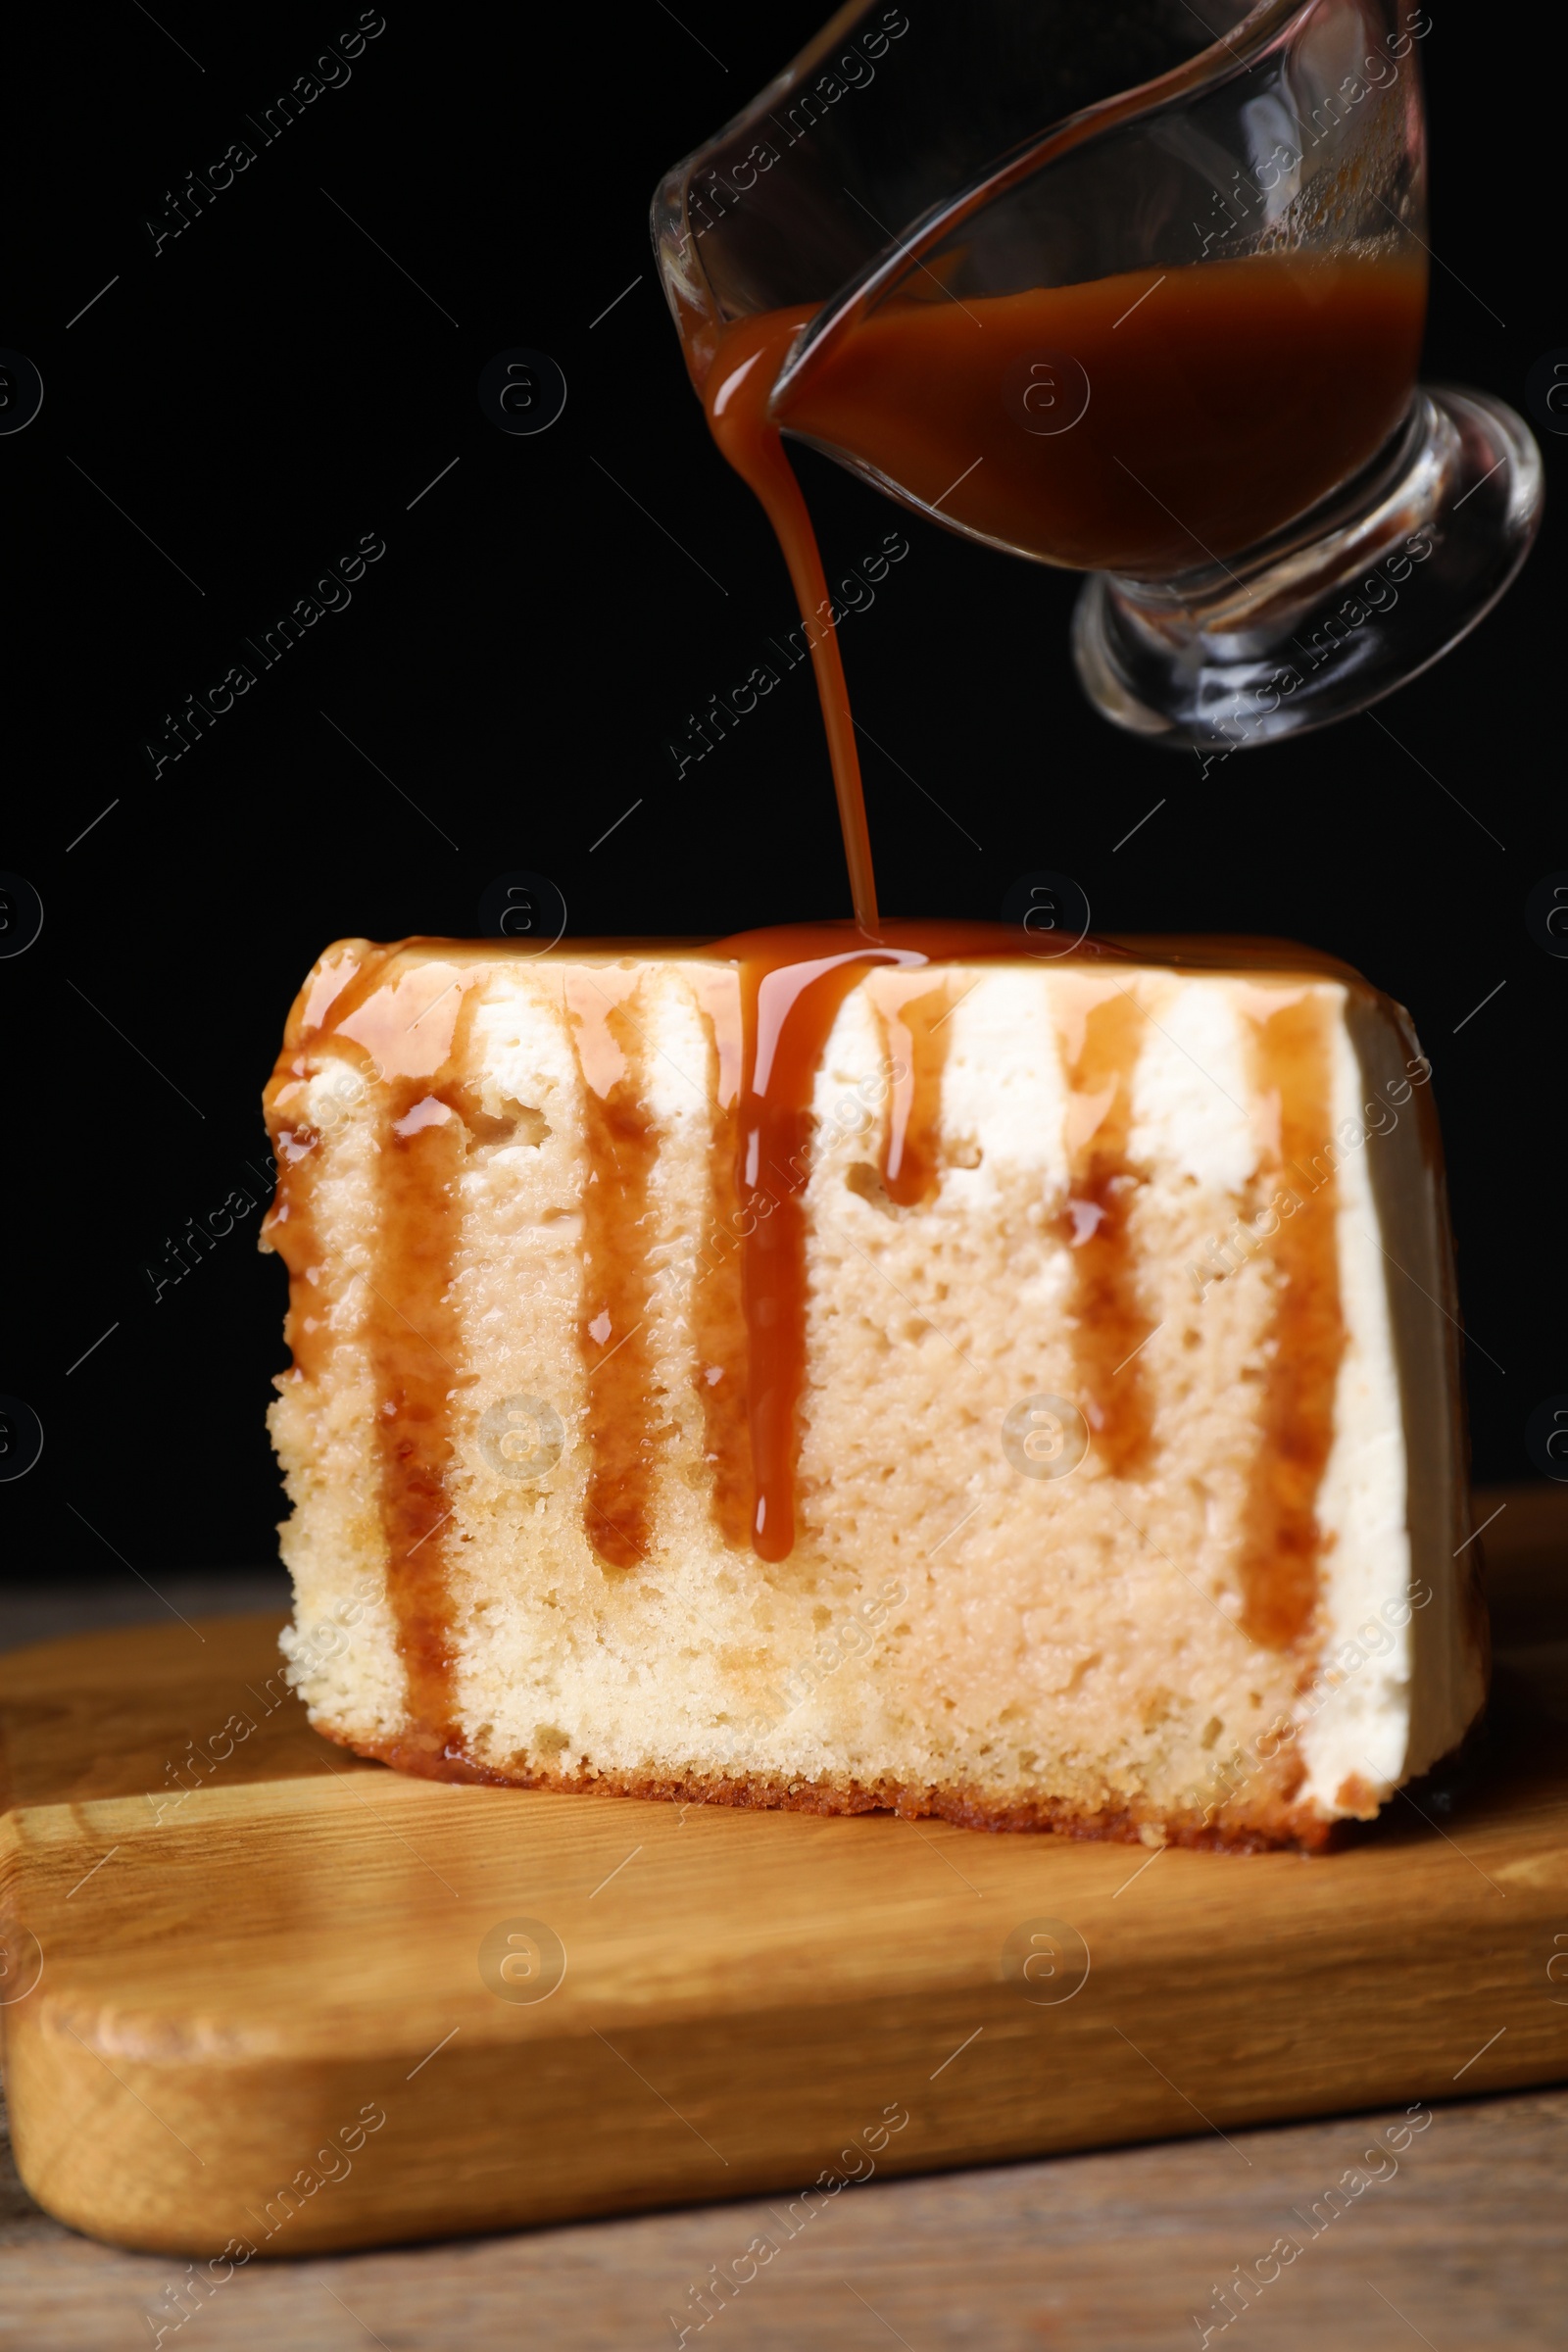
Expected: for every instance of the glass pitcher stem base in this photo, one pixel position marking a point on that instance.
(1348, 605)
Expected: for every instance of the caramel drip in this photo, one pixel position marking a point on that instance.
(400, 1031)
(625, 1430)
(413, 1337)
(736, 398)
(790, 1016)
(1107, 1316)
(718, 1310)
(1282, 1542)
(916, 1028)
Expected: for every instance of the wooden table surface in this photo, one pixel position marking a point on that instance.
(1461, 2239)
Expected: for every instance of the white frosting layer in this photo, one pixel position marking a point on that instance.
(1355, 1721)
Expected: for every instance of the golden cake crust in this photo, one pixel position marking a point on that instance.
(1272, 1820)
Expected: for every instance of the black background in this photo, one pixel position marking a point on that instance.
(270, 386)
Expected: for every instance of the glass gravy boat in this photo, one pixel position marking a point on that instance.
(1140, 294)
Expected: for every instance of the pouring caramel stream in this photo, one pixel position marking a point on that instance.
(739, 391)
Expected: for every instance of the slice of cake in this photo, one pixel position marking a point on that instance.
(784, 1372)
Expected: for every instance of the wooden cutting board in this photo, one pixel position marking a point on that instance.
(255, 1990)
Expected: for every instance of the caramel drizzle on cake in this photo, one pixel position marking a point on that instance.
(767, 1041)
(789, 1011)
(414, 1336)
(625, 1427)
(1281, 1541)
(415, 1031)
(407, 1039)
(915, 1031)
(1106, 1317)
(721, 1356)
